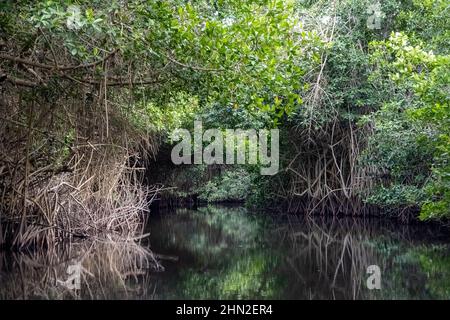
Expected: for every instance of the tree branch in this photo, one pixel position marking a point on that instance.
(49, 67)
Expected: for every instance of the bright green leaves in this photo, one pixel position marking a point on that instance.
(251, 55)
(177, 112)
(427, 20)
(233, 185)
(255, 50)
(68, 21)
(427, 76)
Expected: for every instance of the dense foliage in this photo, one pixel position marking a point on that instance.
(363, 109)
(412, 128)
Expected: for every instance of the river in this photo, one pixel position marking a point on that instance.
(219, 252)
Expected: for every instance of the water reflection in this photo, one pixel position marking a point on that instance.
(108, 270)
(225, 253)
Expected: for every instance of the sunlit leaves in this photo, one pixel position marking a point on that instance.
(427, 76)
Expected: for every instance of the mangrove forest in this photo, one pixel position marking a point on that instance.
(224, 149)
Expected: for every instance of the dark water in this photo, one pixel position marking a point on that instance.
(227, 253)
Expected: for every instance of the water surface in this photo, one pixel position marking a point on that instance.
(229, 253)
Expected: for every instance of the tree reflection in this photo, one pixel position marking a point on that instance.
(228, 253)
